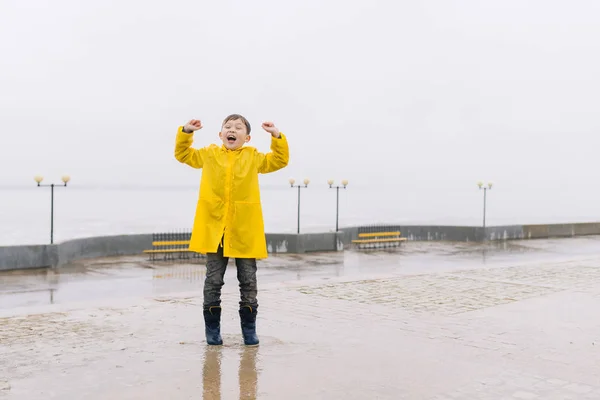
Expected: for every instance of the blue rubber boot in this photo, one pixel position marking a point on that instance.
(248, 323)
(212, 325)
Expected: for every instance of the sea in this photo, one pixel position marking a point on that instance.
(85, 211)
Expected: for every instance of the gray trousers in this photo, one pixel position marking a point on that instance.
(216, 264)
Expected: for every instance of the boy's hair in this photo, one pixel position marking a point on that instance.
(237, 116)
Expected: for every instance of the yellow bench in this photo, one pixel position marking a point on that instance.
(375, 240)
(170, 247)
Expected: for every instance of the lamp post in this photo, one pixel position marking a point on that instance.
(337, 207)
(306, 182)
(485, 189)
(39, 180)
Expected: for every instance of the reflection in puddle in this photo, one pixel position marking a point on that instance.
(248, 376)
(211, 373)
(247, 373)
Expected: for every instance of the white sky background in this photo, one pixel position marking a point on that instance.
(430, 92)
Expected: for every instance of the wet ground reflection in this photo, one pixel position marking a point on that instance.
(134, 276)
(211, 374)
(247, 373)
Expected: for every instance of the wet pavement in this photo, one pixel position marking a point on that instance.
(512, 320)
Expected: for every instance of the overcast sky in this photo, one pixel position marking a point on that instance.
(431, 92)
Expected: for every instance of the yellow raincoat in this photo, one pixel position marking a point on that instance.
(229, 205)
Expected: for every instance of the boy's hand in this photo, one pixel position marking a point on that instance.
(192, 126)
(271, 128)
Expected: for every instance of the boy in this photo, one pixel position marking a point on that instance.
(229, 221)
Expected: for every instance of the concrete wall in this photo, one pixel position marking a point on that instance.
(43, 256)
(446, 233)
(104, 246)
(510, 232)
(311, 242)
(560, 230)
(305, 242)
(421, 233)
(35, 256)
(282, 243)
(474, 233)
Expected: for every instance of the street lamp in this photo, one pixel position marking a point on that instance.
(39, 180)
(485, 189)
(337, 207)
(306, 182)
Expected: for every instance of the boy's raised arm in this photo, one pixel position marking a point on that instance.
(184, 152)
(279, 155)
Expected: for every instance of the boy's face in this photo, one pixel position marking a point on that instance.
(234, 134)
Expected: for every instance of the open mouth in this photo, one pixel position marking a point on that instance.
(231, 138)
